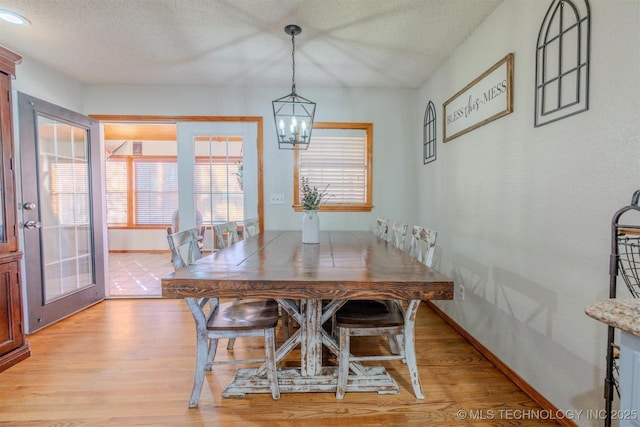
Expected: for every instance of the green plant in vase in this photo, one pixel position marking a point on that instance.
(311, 197)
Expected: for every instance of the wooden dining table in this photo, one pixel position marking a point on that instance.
(310, 282)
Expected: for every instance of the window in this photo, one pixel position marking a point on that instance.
(429, 134)
(562, 61)
(155, 183)
(340, 156)
(141, 190)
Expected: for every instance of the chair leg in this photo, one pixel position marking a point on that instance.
(211, 354)
(231, 343)
(201, 362)
(343, 362)
(270, 354)
(394, 345)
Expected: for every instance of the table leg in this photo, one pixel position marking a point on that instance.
(311, 338)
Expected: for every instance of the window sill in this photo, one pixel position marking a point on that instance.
(338, 208)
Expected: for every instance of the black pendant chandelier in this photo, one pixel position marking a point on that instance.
(292, 113)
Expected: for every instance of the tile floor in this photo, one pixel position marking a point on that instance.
(135, 274)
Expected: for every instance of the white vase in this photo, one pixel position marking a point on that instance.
(310, 227)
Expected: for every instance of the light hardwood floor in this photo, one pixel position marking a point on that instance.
(129, 362)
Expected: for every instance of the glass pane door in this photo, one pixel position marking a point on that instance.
(61, 219)
(218, 168)
(218, 174)
(65, 208)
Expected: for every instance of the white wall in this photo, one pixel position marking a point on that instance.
(389, 110)
(524, 213)
(43, 82)
(40, 81)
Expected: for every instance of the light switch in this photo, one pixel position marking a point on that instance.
(276, 199)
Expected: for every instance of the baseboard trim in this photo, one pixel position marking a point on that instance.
(508, 372)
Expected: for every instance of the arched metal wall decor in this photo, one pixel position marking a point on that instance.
(429, 134)
(562, 61)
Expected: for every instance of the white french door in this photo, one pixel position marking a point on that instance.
(218, 173)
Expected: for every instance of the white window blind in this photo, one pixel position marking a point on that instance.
(156, 190)
(341, 163)
(70, 192)
(117, 191)
(217, 190)
(143, 190)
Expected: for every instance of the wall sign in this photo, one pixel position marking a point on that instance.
(487, 98)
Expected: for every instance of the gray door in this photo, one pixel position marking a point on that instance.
(61, 211)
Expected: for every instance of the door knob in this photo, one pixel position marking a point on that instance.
(29, 206)
(32, 224)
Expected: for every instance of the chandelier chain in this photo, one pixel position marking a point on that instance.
(293, 62)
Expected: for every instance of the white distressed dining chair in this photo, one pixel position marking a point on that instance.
(184, 244)
(251, 227)
(371, 318)
(226, 234)
(216, 320)
(201, 230)
(390, 318)
(381, 228)
(423, 244)
(399, 234)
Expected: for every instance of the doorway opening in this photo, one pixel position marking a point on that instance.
(156, 172)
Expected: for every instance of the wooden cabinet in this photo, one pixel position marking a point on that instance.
(629, 414)
(13, 345)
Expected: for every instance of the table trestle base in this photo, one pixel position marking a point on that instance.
(291, 381)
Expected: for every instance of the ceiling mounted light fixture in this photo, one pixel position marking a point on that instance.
(13, 17)
(292, 113)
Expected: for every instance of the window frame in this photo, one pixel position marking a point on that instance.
(367, 206)
(551, 68)
(429, 134)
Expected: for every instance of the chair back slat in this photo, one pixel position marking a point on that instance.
(381, 228)
(251, 227)
(226, 234)
(184, 243)
(399, 234)
(423, 243)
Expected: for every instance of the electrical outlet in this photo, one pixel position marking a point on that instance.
(461, 292)
(276, 199)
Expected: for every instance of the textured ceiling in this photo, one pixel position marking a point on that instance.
(346, 43)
